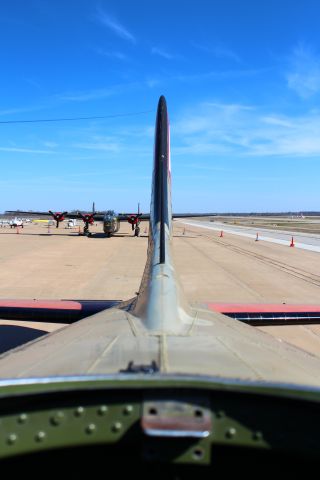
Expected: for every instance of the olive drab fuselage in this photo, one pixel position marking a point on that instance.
(111, 223)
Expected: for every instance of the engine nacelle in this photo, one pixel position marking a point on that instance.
(88, 218)
(134, 219)
(58, 216)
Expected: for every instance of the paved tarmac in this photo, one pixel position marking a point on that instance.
(63, 265)
(305, 241)
(237, 269)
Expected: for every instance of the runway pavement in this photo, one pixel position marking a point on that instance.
(305, 241)
(236, 269)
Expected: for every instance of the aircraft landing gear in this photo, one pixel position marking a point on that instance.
(137, 232)
(86, 231)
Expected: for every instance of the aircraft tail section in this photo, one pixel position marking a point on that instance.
(160, 299)
(160, 213)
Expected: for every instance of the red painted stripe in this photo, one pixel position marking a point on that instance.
(216, 307)
(261, 308)
(49, 304)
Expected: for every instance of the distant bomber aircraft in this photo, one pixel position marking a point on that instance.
(111, 220)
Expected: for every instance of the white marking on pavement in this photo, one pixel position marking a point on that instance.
(303, 246)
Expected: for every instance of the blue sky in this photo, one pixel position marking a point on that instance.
(242, 83)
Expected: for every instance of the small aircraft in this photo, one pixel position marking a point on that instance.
(4, 222)
(16, 222)
(72, 222)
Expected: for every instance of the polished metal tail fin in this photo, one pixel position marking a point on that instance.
(160, 301)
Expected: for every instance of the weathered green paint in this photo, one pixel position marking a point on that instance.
(154, 381)
(62, 413)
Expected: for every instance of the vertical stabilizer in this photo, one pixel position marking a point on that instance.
(160, 302)
(160, 213)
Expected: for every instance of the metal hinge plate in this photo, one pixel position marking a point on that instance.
(176, 418)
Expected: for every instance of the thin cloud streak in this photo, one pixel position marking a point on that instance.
(112, 54)
(97, 93)
(50, 144)
(218, 51)
(24, 150)
(304, 73)
(107, 147)
(112, 24)
(244, 132)
(13, 111)
(220, 75)
(163, 53)
(88, 95)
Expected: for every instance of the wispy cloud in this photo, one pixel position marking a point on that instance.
(218, 51)
(97, 93)
(106, 147)
(33, 82)
(244, 131)
(163, 53)
(24, 150)
(220, 74)
(304, 72)
(152, 82)
(114, 25)
(207, 167)
(50, 144)
(12, 111)
(282, 122)
(112, 54)
(83, 96)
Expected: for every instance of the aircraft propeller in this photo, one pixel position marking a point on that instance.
(134, 220)
(58, 217)
(88, 219)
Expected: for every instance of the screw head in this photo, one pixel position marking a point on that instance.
(79, 411)
(128, 409)
(116, 427)
(90, 428)
(40, 436)
(257, 436)
(23, 417)
(103, 410)
(57, 418)
(12, 438)
(197, 453)
(231, 432)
